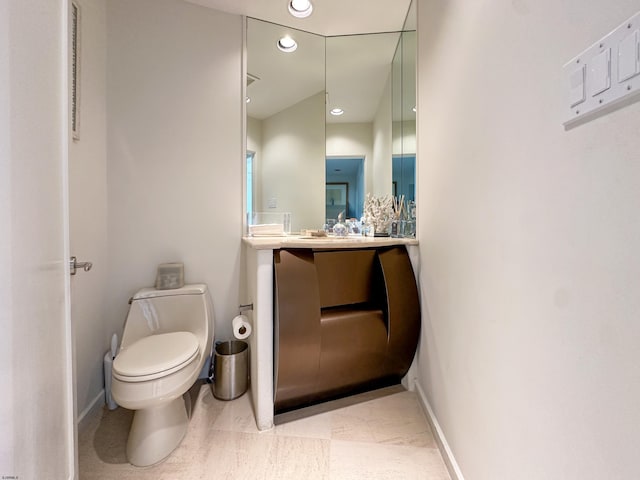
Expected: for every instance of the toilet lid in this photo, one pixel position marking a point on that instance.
(156, 354)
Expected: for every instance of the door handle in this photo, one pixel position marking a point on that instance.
(74, 264)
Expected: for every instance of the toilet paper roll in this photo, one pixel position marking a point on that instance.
(241, 327)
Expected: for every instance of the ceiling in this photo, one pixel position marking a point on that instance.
(357, 66)
(329, 17)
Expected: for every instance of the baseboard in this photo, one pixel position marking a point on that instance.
(94, 404)
(447, 455)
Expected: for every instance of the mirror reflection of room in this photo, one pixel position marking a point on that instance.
(334, 111)
(285, 123)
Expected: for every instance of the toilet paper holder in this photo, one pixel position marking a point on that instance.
(245, 308)
(241, 324)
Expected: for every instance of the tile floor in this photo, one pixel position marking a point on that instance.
(385, 438)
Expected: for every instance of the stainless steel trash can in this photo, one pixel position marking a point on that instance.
(230, 369)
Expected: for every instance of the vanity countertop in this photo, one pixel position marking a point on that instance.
(296, 241)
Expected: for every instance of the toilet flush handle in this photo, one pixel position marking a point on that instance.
(74, 265)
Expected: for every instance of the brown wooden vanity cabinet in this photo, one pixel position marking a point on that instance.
(346, 321)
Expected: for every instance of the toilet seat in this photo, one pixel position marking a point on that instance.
(155, 356)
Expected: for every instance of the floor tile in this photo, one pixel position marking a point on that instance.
(316, 426)
(357, 461)
(237, 415)
(385, 438)
(395, 420)
(237, 455)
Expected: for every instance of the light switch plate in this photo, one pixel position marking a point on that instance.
(599, 73)
(611, 79)
(576, 86)
(629, 56)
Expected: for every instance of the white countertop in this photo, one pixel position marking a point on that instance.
(296, 241)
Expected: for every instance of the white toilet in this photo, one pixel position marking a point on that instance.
(167, 338)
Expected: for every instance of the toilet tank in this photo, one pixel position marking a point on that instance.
(187, 309)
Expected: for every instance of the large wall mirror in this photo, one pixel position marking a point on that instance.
(285, 123)
(303, 159)
(404, 112)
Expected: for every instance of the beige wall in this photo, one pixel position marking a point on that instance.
(156, 174)
(174, 148)
(254, 144)
(529, 238)
(292, 167)
(382, 144)
(404, 138)
(88, 207)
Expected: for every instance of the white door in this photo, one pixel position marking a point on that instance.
(36, 388)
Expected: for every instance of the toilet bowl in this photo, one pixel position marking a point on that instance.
(167, 339)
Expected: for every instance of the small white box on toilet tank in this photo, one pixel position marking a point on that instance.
(169, 276)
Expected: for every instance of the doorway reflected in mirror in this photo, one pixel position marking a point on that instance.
(404, 176)
(344, 187)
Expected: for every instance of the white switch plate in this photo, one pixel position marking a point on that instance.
(629, 56)
(609, 81)
(576, 86)
(599, 73)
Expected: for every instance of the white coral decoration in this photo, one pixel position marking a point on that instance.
(378, 211)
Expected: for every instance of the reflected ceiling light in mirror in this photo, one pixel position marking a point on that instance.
(336, 111)
(287, 44)
(414, 109)
(300, 8)
(248, 100)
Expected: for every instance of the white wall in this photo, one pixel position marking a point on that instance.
(529, 237)
(254, 144)
(174, 149)
(404, 137)
(88, 206)
(6, 260)
(292, 167)
(382, 143)
(36, 417)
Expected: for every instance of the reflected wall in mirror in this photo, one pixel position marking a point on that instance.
(404, 110)
(292, 138)
(359, 82)
(285, 123)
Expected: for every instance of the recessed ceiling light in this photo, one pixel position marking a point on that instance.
(336, 111)
(248, 99)
(300, 8)
(287, 44)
